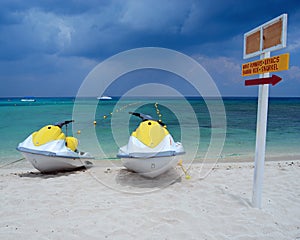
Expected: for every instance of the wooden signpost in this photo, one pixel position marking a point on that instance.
(268, 37)
(261, 41)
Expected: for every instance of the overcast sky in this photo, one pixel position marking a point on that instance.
(47, 47)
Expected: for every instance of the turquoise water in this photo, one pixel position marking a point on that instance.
(19, 119)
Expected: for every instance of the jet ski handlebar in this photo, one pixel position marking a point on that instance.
(61, 124)
(145, 117)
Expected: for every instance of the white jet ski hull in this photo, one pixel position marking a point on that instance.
(53, 156)
(45, 163)
(150, 167)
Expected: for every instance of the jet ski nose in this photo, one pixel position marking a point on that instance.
(150, 133)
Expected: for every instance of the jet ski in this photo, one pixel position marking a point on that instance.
(151, 150)
(50, 150)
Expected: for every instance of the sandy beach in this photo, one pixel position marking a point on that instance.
(108, 202)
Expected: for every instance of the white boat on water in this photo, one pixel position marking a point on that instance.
(104, 98)
(28, 99)
(151, 150)
(49, 150)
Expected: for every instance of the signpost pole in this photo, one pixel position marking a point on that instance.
(261, 41)
(261, 130)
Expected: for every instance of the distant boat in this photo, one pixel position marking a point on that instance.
(28, 99)
(104, 98)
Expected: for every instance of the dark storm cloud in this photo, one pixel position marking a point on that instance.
(103, 28)
(47, 32)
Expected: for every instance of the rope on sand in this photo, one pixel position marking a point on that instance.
(6, 164)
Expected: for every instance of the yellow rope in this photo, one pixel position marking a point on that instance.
(158, 112)
(120, 109)
(187, 176)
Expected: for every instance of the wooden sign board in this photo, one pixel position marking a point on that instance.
(273, 64)
(253, 42)
(268, 37)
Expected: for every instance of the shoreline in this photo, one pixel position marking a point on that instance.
(228, 159)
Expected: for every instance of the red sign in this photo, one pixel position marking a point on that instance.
(269, 80)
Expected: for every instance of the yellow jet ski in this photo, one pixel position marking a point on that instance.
(49, 150)
(151, 150)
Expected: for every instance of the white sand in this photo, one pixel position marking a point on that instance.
(79, 205)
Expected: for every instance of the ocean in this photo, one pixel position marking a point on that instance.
(190, 121)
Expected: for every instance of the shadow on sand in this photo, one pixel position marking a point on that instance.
(56, 174)
(125, 177)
